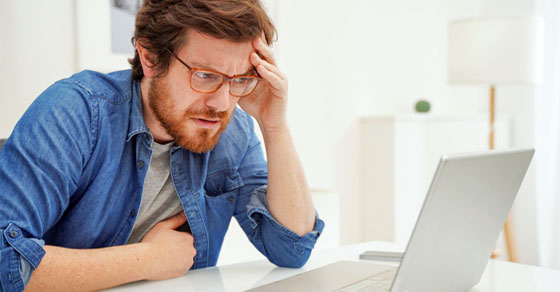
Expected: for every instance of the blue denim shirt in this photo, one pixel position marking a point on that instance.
(72, 173)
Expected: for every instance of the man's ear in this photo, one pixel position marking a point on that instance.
(146, 58)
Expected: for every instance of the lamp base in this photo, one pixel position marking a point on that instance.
(508, 227)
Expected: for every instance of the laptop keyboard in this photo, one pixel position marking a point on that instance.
(377, 283)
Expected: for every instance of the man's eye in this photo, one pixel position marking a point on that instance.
(206, 75)
(242, 80)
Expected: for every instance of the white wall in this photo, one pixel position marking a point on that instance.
(37, 49)
(344, 59)
(354, 58)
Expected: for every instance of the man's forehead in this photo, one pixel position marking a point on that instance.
(206, 52)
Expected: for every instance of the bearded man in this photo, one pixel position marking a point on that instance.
(136, 174)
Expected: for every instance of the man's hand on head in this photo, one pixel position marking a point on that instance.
(171, 251)
(268, 102)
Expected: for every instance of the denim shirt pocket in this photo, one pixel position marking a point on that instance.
(220, 193)
(222, 184)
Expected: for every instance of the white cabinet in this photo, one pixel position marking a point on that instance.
(399, 156)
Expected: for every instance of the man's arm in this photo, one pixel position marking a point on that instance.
(40, 166)
(64, 269)
(163, 253)
(288, 195)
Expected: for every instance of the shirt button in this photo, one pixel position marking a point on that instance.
(14, 234)
(132, 213)
(140, 164)
(230, 199)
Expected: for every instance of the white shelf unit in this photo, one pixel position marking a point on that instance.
(399, 156)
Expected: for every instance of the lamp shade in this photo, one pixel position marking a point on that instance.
(493, 50)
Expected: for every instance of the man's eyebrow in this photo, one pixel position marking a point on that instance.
(200, 65)
(194, 64)
(251, 71)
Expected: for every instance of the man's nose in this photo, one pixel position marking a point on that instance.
(219, 101)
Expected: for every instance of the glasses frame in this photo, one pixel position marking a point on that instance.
(225, 77)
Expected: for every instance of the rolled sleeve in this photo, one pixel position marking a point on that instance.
(279, 244)
(19, 255)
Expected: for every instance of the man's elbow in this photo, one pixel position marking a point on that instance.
(293, 259)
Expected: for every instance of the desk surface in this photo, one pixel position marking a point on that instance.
(499, 276)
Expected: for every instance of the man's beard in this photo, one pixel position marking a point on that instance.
(197, 140)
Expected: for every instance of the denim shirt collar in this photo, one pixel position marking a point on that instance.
(136, 123)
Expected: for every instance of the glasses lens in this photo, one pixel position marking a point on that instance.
(241, 86)
(204, 81)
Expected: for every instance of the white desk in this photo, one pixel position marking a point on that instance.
(498, 276)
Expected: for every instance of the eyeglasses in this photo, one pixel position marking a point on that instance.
(208, 81)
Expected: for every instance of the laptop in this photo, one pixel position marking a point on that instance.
(463, 213)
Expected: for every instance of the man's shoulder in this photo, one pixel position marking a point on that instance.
(115, 87)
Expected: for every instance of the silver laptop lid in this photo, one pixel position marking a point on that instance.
(463, 213)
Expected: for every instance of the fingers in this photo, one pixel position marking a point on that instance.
(257, 61)
(273, 79)
(264, 50)
(269, 72)
(173, 222)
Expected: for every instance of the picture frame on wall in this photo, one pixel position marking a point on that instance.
(123, 14)
(104, 30)
(103, 34)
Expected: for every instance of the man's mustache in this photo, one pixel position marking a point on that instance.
(206, 114)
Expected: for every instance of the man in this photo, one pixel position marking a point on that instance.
(133, 175)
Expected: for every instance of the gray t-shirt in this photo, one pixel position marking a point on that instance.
(159, 199)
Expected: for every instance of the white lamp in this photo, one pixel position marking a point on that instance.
(494, 51)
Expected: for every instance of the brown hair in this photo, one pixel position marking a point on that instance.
(162, 24)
